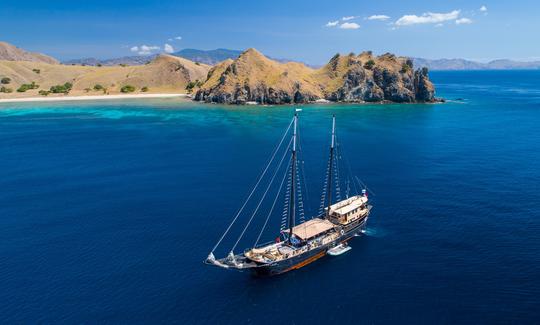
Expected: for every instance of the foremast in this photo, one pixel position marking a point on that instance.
(330, 167)
(292, 207)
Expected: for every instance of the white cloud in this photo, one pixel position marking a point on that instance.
(483, 8)
(178, 38)
(168, 48)
(144, 49)
(332, 23)
(439, 25)
(427, 18)
(378, 17)
(348, 18)
(349, 26)
(463, 21)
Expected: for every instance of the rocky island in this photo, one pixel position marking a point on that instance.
(249, 78)
(252, 77)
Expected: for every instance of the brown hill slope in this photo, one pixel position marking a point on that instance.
(10, 52)
(346, 78)
(165, 74)
(254, 77)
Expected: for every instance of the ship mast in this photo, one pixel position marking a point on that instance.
(331, 163)
(292, 208)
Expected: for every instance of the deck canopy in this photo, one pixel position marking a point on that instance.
(312, 228)
(346, 206)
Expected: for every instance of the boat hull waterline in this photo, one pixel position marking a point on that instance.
(242, 262)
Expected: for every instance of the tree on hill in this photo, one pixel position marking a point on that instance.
(59, 89)
(369, 64)
(127, 89)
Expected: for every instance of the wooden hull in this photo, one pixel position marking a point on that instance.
(308, 257)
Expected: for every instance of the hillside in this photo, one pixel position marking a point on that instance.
(350, 78)
(10, 52)
(164, 74)
(254, 77)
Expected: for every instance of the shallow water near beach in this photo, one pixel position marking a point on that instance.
(107, 209)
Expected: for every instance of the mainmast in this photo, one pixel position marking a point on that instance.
(292, 208)
(331, 164)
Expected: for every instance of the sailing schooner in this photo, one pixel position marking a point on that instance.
(302, 243)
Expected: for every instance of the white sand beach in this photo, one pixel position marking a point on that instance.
(89, 97)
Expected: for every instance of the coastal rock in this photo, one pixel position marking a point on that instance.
(425, 91)
(252, 77)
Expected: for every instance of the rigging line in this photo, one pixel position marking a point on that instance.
(367, 188)
(255, 187)
(263, 196)
(274, 203)
(348, 165)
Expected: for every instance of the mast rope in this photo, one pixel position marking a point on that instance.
(263, 196)
(254, 188)
(274, 203)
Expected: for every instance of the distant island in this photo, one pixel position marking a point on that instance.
(249, 78)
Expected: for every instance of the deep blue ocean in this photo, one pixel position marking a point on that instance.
(108, 209)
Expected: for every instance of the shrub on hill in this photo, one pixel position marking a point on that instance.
(36, 71)
(144, 89)
(127, 89)
(5, 90)
(193, 84)
(5, 81)
(59, 89)
(405, 68)
(44, 92)
(98, 87)
(24, 87)
(369, 64)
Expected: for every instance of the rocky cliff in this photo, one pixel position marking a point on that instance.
(252, 77)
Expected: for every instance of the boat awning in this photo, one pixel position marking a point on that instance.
(312, 228)
(346, 206)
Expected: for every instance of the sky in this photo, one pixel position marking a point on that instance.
(310, 31)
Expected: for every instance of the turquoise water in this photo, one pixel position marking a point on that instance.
(107, 209)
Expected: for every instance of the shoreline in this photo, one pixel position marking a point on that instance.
(89, 97)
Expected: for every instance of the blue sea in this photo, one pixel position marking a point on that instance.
(108, 209)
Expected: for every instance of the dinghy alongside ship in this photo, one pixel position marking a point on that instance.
(303, 243)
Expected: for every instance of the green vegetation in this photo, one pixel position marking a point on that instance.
(5, 90)
(369, 64)
(405, 68)
(59, 89)
(127, 89)
(44, 92)
(123, 65)
(197, 63)
(144, 89)
(99, 64)
(24, 87)
(87, 90)
(193, 84)
(98, 87)
(36, 71)
(5, 81)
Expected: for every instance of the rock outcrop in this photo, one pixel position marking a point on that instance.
(346, 78)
